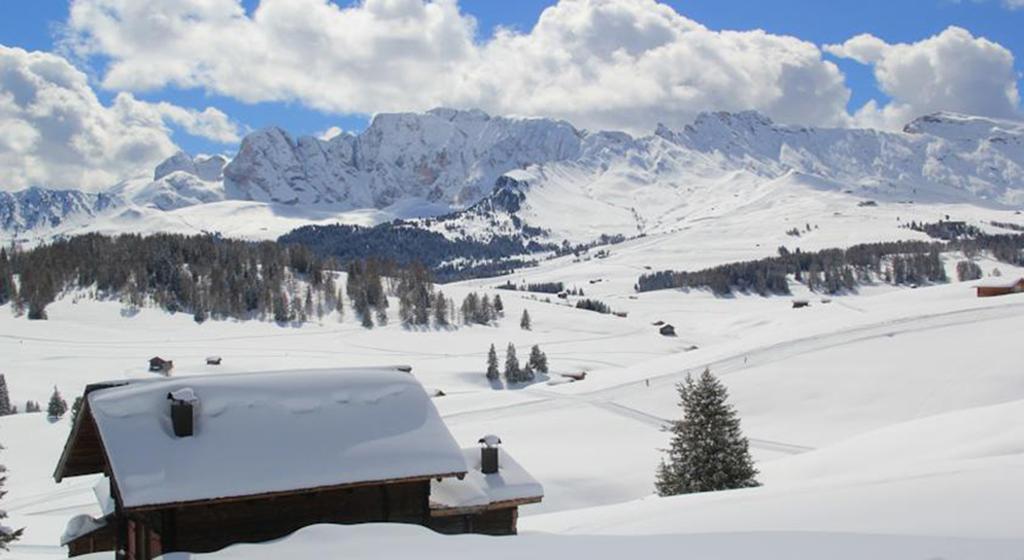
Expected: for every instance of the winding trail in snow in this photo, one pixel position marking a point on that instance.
(604, 397)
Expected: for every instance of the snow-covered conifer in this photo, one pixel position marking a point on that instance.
(58, 406)
(492, 364)
(708, 452)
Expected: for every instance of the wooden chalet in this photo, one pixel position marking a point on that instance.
(199, 463)
(160, 365)
(994, 288)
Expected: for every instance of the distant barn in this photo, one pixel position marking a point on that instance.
(200, 463)
(800, 303)
(213, 360)
(160, 365)
(994, 288)
(667, 330)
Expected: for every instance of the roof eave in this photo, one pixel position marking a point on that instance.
(312, 490)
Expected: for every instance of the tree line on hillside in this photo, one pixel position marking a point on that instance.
(208, 276)
(837, 270)
(448, 259)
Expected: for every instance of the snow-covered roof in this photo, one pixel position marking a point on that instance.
(512, 483)
(260, 433)
(79, 526)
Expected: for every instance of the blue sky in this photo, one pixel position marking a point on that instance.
(35, 25)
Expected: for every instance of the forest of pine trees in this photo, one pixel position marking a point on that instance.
(836, 270)
(708, 452)
(207, 276)
(215, 278)
(481, 310)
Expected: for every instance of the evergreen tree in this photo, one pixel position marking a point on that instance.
(440, 305)
(492, 364)
(58, 406)
(5, 398)
(7, 535)
(708, 452)
(527, 373)
(512, 372)
(499, 306)
(32, 406)
(487, 313)
(524, 321)
(538, 360)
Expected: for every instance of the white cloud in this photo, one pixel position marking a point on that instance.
(951, 71)
(331, 132)
(54, 132)
(602, 63)
(1014, 4)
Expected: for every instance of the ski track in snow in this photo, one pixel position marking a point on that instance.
(604, 398)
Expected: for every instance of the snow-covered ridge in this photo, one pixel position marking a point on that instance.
(442, 155)
(575, 183)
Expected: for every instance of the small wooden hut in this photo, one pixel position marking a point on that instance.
(993, 288)
(160, 365)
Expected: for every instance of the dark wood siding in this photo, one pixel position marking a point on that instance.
(209, 527)
(492, 522)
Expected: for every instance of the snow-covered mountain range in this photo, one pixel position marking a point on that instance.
(573, 183)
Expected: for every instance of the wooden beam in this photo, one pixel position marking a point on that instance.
(297, 491)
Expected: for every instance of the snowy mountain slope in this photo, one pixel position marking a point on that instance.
(734, 163)
(577, 185)
(35, 208)
(828, 395)
(442, 155)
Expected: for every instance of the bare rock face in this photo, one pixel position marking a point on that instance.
(443, 155)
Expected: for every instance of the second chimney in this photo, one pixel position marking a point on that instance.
(489, 454)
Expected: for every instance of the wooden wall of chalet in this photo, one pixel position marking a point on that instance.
(214, 525)
(101, 540)
(493, 522)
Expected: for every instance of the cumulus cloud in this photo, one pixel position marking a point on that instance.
(951, 71)
(624, 64)
(54, 131)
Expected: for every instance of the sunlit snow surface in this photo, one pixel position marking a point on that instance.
(885, 424)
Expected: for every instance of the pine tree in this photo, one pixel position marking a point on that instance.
(76, 407)
(499, 306)
(58, 406)
(524, 321)
(708, 452)
(492, 364)
(5, 398)
(7, 535)
(538, 360)
(512, 372)
(527, 373)
(440, 305)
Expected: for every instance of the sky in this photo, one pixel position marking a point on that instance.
(95, 91)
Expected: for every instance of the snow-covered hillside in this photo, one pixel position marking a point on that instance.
(575, 184)
(892, 412)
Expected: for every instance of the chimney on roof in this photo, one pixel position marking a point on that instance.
(183, 411)
(489, 454)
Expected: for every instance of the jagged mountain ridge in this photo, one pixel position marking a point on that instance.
(441, 156)
(574, 183)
